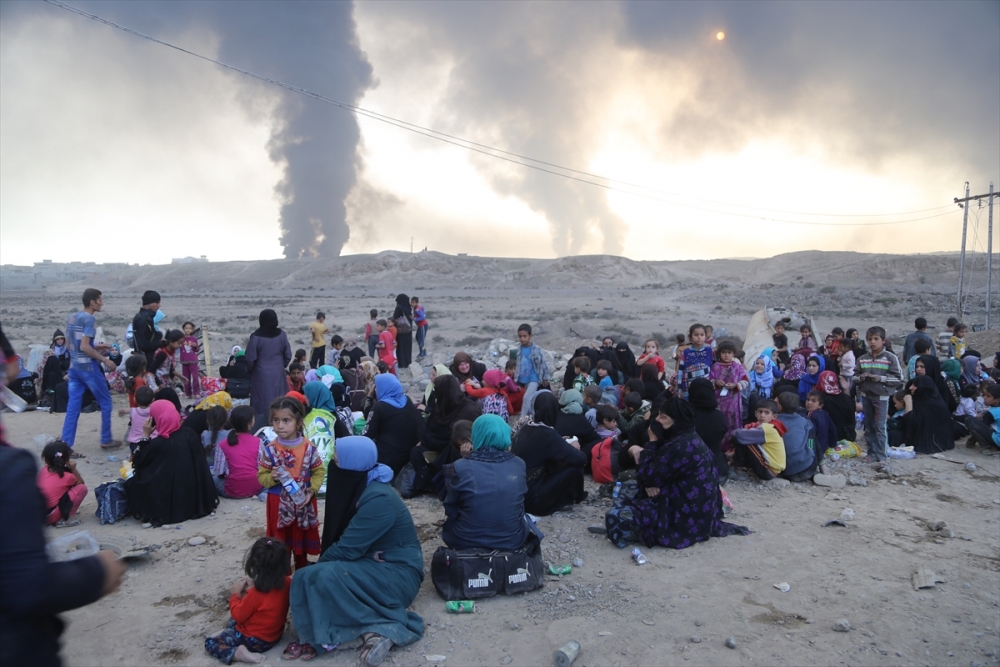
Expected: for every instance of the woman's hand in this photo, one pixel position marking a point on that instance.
(465, 449)
(148, 427)
(636, 452)
(731, 386)
(652, 491)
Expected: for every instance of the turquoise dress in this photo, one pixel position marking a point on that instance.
(348, 592)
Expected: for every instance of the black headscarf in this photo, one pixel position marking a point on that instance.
(343, 490)
(932, 367)
(403, 307)
(681, 412)
(546, 408)
(928, 428)
(449, 399)
(268, 324)
(701, 395)
(626, 360)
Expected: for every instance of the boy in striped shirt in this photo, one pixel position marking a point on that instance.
(879, 376)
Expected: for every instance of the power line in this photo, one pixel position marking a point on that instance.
(500, 154)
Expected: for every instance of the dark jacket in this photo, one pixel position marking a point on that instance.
(800, 452)
(395, 432)
(32, 589)
(485, 504)
(147, 338)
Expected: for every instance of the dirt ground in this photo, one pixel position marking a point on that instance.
(679, 608)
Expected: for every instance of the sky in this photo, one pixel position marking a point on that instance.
(675, 130)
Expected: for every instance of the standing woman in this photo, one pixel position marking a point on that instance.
(402, 317)
(267, 355)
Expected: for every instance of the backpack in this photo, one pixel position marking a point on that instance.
(604, 460)
(238, 387)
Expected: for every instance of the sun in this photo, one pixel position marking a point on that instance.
(720, 35)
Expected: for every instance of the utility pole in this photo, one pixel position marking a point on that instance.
(989, 257)
(961, 266)
(964, 203)
(411, 240)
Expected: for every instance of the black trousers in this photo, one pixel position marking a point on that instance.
(318, 357)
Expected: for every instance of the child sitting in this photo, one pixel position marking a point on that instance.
(604, 370)
(592, 397)
(63, 493)
(759, 445)
(216, 419)
(258, 606)
(235, 466)
(513, 391)
(636, 410)
(137, 376)
(581, 373)
(729, 380)
(490, 396)
(826, 432)
(164, 367)
(607, 421)
(296, 377)
(984, 429)
(138, 416)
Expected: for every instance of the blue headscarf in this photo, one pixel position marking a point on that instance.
(763, 382)
(319, 397)
(808, 382)
(358, 452)
(157, 318)
(388, 390)
(329, 375)
(490, 431)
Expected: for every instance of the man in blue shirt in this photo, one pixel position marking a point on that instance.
(85, 370)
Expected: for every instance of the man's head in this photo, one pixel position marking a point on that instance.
(151, 300)
(92, 299)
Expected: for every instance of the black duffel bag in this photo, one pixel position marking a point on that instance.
(468, 574)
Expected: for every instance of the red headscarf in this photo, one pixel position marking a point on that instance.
(493, 378)
(828, 384)
(298, 396)
(166, 417)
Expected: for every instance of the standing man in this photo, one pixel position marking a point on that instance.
(85, 370)
(147, 338)
(532, 370)
(318, 330)
(909, 349)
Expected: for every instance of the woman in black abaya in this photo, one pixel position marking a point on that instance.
(403, 318)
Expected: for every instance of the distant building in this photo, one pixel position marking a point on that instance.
(189, 260)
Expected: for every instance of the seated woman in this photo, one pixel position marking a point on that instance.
(554, 467)
(572, 420)
(467, 371)
(709, 423)
(926, 425)
(448, 406)
(679, 502)
(485, 501)
(171, 481)
(55, 367)
(370, 572)
(394, 424)
(838, 405)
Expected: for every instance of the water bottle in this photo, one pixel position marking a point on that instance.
(292, 487)
(859, 421)
(617, 491)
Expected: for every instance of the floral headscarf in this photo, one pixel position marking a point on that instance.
(828, 384)
(796, 368)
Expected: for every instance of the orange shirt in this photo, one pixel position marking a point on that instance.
(261, 615)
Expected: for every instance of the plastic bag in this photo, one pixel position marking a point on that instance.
(71, 546)
(846, 450)
(901, 453)
(404, 481)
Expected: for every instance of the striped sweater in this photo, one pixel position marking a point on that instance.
(881, 372)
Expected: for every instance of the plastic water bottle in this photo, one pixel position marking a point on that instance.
(859, 421)
(617, 491)
(292, 487)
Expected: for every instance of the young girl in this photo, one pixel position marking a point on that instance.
(61, 485)
(135, 369)
(651, 353)
(762, 375)
(729, 379)
(138, 416)
(807, 382)
(258, 606)
(300, 358)
(163, 359)
(847, 359)
(491, 397)
(807, 340)
(292, 454)
(189, 361)
(216, 420)
(604, 370)
(235, 464)
(697, 358)
(710, 337)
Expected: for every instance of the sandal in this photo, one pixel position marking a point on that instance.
(77, 455)
(308, 652)
(66, 523)
(292, 652)
(375, 650)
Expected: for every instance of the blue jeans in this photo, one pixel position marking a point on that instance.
(421, 337)
(876, 410)
(79, 382)
(528, 403)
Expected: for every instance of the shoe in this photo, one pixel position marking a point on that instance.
(737, 475)
(93, 407)
(114, 444)
(68, 523)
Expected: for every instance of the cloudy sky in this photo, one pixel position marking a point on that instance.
(667, 142)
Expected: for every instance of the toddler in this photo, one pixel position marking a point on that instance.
(138, 416)
(697, 358)
(61, 485)
(806, 338)
(651, 353)
(371, 332)
(729, 379)
(957, 341)
(258, 606)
